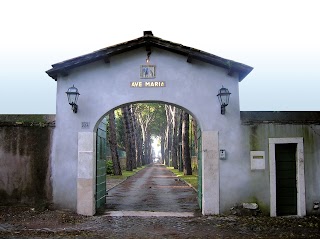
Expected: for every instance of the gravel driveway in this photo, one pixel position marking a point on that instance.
(157, 191)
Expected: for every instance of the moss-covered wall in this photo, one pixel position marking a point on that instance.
(257, 136)
(25, 147)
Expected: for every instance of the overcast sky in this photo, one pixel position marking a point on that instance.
(279, 38)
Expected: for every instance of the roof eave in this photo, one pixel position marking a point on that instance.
(64, 67)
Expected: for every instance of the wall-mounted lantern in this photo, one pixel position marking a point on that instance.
(73, 95)
(223, 97)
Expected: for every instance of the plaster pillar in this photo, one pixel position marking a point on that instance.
(86, 173)
(210, 173)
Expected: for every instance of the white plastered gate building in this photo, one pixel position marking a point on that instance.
(109, 78)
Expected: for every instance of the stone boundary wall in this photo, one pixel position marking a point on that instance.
(25, 148)
(280, 117)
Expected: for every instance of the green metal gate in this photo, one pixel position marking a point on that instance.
(101, 164)
(199, 167)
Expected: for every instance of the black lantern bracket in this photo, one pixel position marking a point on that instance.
(74, 108)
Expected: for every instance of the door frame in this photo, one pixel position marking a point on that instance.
(301, 201)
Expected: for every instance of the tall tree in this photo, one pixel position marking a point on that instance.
(126, 123)
(132, 137)
(120, 129)
(195, 135)
(162, 145)
(180, 140)
(112, 138)
(168, 141)
(187, 169)
(137, 136)
(175, 144)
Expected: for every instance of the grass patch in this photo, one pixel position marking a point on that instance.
(192, 179)
(125, 173)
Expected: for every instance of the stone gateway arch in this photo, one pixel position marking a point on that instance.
(173, 73)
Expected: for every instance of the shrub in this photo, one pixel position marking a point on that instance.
(109, 167)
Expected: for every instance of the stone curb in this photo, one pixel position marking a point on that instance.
(123, 180)
(147, 214)
(117, 184)
(185, 182)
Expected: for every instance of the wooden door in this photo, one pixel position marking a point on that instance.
(286, 182)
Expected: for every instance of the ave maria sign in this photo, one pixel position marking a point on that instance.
(147, 84)
(147, 72)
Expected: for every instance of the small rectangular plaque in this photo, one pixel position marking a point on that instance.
(147, 71)
(257, 160)
(85, 125)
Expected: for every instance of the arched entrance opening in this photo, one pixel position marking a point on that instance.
(141, 134)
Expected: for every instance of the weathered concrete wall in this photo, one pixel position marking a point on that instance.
(25, 148)
(256, 134)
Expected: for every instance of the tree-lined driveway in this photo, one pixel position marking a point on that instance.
(154, 189)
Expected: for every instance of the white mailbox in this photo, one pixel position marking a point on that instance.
(258, 161)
